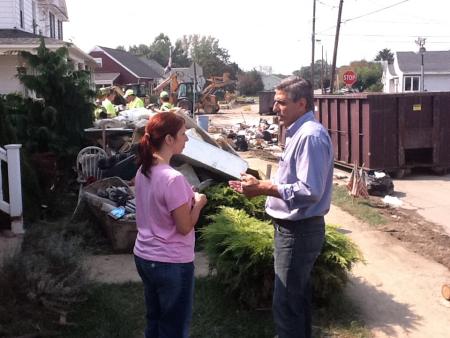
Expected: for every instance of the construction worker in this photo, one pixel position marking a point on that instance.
(107, 103)
(165, 101)
(132, 100)
(99, 111)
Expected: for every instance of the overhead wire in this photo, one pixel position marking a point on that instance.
(366, 14)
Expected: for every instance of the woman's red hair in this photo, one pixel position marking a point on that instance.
(157, 128)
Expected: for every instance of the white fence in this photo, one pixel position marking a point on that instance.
(11, 155)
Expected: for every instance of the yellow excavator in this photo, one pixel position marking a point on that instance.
(182, 94)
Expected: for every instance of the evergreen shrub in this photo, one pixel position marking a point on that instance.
(221, 195)
(47, 274)
(240, 250)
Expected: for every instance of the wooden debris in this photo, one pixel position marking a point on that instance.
(357, 185)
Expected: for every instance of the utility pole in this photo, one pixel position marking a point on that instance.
(313, 42)
(321, 71)
(336, 42)
(421, 43)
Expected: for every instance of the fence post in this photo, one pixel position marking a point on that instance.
(15, 187)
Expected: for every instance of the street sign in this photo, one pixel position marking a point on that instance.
(349, 78)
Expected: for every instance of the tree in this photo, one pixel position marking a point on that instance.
(385, 55)
(67, 100)
(139, 50)
(250, 83)
(121, 47)
(205, 51)
(159, 50)
(180, 56)
(369, 75)
(305, 72)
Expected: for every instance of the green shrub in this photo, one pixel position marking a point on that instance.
(46, 275)
(221, 195)
(240, 249)
(338, 256)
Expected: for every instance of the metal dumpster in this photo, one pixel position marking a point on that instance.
(266, 102)
(392, 132)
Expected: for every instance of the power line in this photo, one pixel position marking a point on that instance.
(375, 11)
(366, 14)
(389, 35)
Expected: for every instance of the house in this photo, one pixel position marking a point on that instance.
(121, 68)
(22, 24)
(270, 81)
(405, 73)
(187, 74)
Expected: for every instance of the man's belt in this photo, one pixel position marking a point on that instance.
(315, 220)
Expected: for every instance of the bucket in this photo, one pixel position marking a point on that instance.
(203, 122)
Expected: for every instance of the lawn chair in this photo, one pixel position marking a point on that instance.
(87, 169)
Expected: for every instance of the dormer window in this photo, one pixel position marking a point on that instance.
(22, 16)
(60, 30)
(52, 25)
(33, 11)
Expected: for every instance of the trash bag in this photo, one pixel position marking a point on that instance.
(379, 183)
(241, 143)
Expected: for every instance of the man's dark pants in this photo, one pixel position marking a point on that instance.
(297, 246)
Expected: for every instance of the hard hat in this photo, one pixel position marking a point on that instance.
(129, 92)
(164, 94)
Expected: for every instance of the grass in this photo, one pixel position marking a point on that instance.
(118, 311)
(358, 207)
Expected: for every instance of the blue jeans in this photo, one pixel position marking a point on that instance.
(169, 294)
(297, 246)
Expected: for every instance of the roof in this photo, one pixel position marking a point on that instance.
(105, 78)
(270, 81)
(18, 37)
(14, 40)
(391, 69)
(130, 62)
(433, 62)
(154, 65)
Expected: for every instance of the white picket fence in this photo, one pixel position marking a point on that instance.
(11, 155)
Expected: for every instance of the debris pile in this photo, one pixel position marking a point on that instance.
(242, 137)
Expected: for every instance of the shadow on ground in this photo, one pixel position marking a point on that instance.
(385, 314)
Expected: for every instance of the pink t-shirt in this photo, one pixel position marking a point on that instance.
(158, 240)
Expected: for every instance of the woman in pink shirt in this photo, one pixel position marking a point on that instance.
(166, 211)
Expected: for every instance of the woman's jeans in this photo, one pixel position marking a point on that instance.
(297, 246)
(169, 293)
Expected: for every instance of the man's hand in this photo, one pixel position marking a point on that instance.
(248, 185)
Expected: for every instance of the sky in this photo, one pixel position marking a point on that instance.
(272, 33)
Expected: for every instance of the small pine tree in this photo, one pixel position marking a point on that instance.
(67, 97)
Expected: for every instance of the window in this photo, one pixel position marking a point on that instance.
(52, 25)
(22, 19)
(60, 30)
(99, 62)
(411, 83)
(33, 9)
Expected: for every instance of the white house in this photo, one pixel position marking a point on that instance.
(22, 24)
(405, 73)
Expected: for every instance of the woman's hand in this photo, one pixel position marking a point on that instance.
(200, 200)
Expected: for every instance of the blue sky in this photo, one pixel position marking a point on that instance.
(265, 33)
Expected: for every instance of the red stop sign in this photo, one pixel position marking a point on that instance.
(349, 77)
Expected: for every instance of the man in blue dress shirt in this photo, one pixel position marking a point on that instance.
(298, 198)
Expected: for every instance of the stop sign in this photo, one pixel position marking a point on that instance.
(349, 78)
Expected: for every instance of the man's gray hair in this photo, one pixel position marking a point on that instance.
(297, 88)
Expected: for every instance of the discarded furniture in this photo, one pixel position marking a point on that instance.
(87, 164)
(120, 232)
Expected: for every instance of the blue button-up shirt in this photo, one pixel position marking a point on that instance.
(305, 173)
